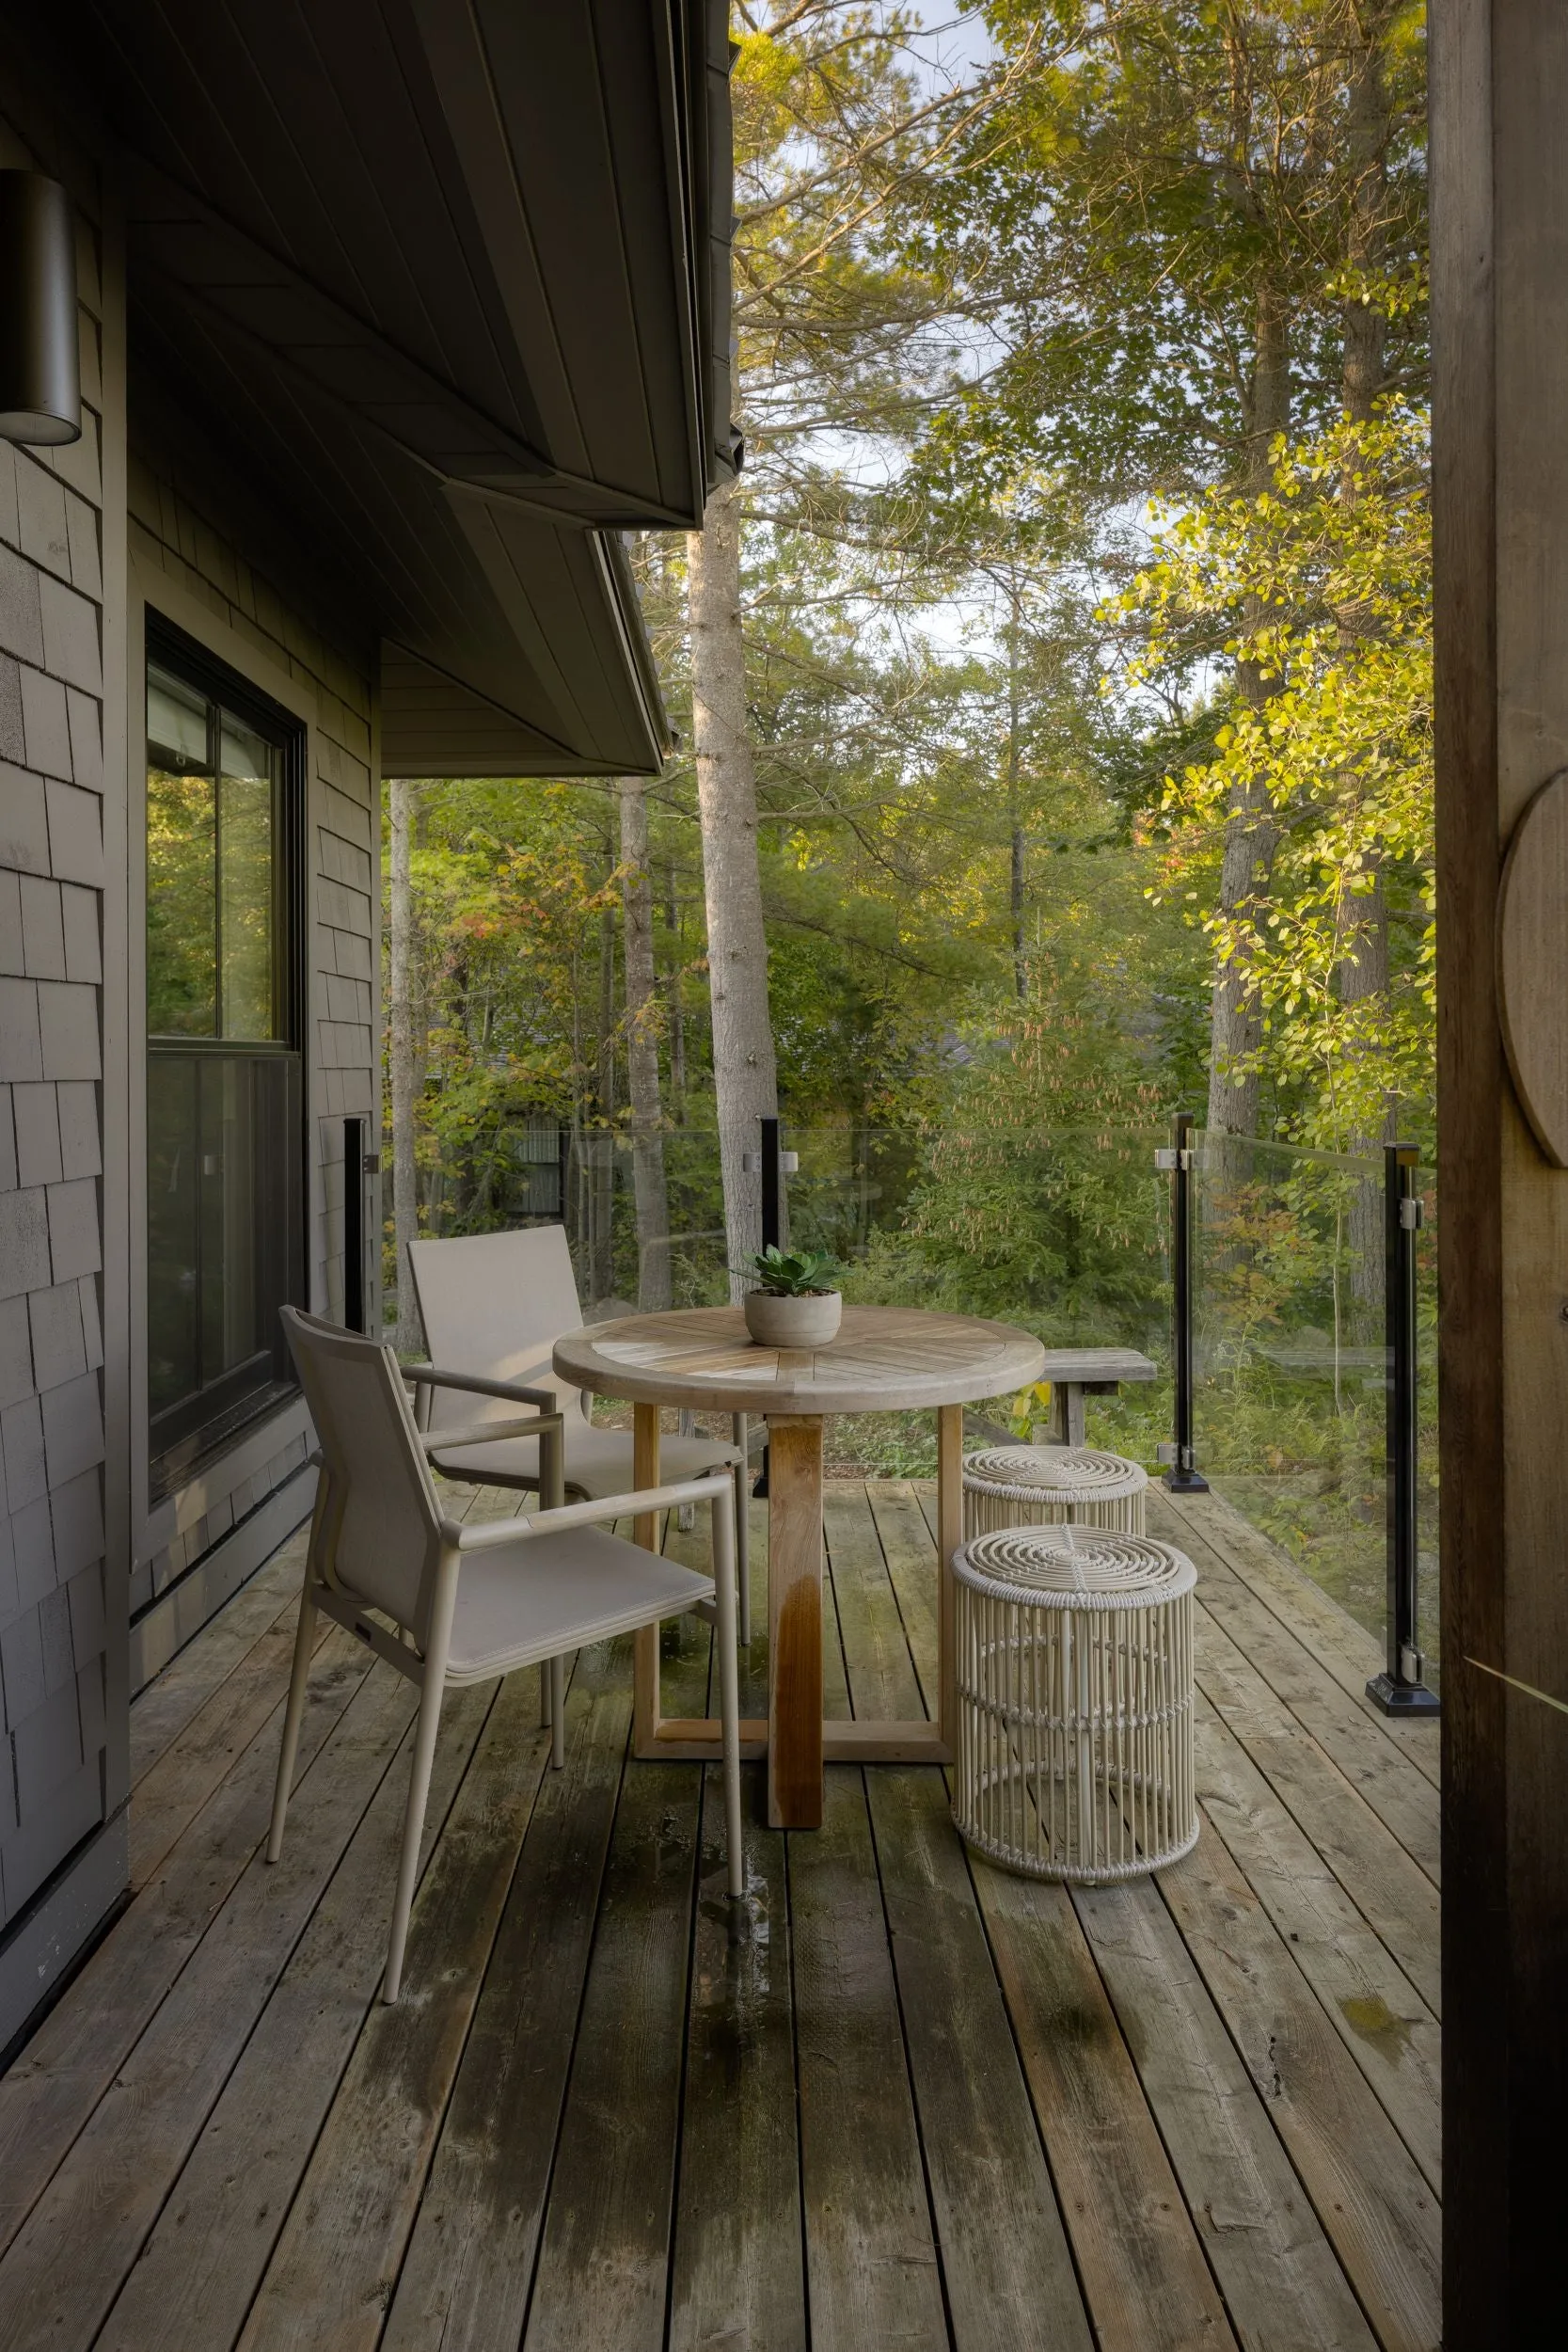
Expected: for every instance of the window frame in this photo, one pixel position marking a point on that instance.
(176, 1456)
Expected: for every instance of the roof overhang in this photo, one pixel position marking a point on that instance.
(449, 280)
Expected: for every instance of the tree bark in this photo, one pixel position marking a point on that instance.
(1235, 1025)
(677, 1008)
(744, 1072)
(408, 1335)
(650, 1194)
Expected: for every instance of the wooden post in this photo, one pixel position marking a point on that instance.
(950, 1535)
(795, 1621)
(1499, 84)
(644, 1667)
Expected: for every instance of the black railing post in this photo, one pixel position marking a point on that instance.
(1183, 1476)
(773, 1233)
(1401, 1689)
(773, 1163)
(357, 1165)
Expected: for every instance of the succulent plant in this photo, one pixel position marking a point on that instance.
(791, 1273)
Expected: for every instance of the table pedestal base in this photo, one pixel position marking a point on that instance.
(795, 1739)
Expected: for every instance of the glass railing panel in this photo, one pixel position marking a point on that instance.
(1289, 1355)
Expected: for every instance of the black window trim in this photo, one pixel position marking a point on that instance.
(171, 647)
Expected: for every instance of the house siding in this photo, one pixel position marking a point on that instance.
(189, 565)
(61, 1625)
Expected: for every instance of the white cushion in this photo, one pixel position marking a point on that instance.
(546, 1593)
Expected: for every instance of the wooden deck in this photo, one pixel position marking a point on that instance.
(916, 2103)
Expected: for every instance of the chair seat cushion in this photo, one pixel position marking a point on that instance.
(547, 1593)
(598, 1461)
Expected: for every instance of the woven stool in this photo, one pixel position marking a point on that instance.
(1074, 1654)
(1050, 1486)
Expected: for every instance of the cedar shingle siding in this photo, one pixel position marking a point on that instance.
(184, 559)
(53, 1619)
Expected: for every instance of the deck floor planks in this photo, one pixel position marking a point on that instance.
(1381, 2018)
(1145, 2275)
(1390, 1890)
(906, 2119)
(738, 2270)
(1007, 2265)
(1403, 1797)
(107, 2192)
(603, 2268)
(872, 2269)
(1282, 2282)
(161, 1711)
(1329, 1633)
(331, 2276)
(52, 2089)
(1006, 2268)
(196, 2275)
(197, 1759)
(469, 2264)
(1366, 2190)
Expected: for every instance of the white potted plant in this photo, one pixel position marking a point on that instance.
(795, 1304)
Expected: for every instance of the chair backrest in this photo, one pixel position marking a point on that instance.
(496, 1304)
(380, 1537)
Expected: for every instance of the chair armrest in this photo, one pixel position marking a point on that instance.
(714, 1489)
(487, 1433)
(475, 1384)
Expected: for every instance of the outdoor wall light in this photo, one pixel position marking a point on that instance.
(41, 381)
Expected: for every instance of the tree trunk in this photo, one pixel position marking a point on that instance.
(1235, 1026)
(651, 1196)
(744, 1074)
(407, 1336)
(677, 1008)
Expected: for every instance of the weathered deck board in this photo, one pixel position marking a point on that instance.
(738, 2270)
(1143, 2271)
(1381, 2018)
(1006, 2260)
(1375, 2208)
(196, 2275)
(604, 2258)
(901, 2098)
(1223, 1542)
(107, 2192)
(469, 2264)
(50, 2091)
(872, 2269)
(331, 2275)
(161, 1712)
(1281, 2281)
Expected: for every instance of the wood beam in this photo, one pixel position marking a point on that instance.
(1500, 96)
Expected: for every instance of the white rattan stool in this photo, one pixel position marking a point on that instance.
(1074, 1651)
(1050, 1486)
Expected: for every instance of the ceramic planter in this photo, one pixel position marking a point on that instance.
(810, 1320)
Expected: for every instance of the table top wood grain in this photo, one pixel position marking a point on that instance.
(883, 1359)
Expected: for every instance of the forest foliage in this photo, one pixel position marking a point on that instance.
(1085, 584)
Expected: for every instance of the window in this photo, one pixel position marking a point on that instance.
(223, 1125)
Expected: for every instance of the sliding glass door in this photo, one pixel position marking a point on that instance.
(225, 1159)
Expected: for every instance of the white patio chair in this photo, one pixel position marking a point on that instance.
(493, 1304)
(448, 1604)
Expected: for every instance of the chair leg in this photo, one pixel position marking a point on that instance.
(729, 1689)
(304, 1635)
(742, 1532)
(545, 1695)
(413, 1830)
(558, 1712)
(686, 1515)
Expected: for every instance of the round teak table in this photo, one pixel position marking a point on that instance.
(885, 1360)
